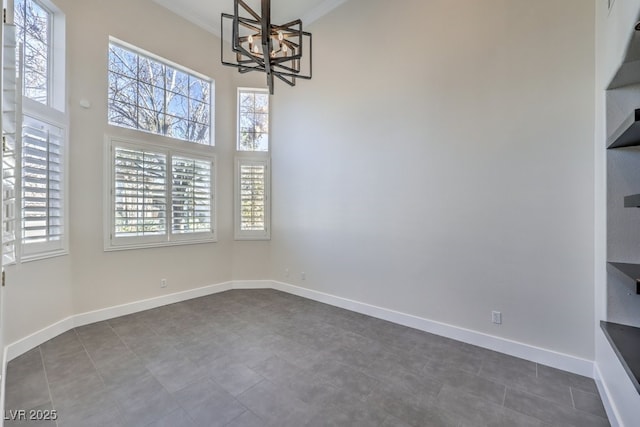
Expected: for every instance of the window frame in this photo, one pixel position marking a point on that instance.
(168, 238)
(166, 62)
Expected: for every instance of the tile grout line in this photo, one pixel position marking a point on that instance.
(150, 373)
(46, 377)
(93, 363)
(573, 400)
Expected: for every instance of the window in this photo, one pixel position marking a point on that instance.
(33, 32)
(34, 178)
(252, 183)
(151, 95)
(191, 195)
(252, 186)
(158, 196)
(253, 120)
(42, 202)
(140, 192)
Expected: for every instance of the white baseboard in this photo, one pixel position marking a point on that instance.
(147, 304)
(25, 344)
(253, 284)
(539, 355)
(543, 356)
(605, 395)
(29, 342)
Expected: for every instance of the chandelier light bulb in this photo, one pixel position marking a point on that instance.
(256, 49)
(285, 48)
(250, 39)
(280, 36)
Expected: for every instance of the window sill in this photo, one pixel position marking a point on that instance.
(109, 247)
(251, 238)
(42, 256)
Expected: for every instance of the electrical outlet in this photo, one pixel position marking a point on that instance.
(496, 317)
(163, 283)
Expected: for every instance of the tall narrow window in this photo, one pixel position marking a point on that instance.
(42, 134)
(252, 183)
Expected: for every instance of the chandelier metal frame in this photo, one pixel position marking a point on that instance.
(259, 45)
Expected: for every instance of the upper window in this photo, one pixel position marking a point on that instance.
(149, 94)
(253, 120)
(33, 32)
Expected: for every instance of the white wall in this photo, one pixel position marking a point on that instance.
(37, 295)
(440, 163)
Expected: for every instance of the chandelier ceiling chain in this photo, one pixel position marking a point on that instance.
(259, 45)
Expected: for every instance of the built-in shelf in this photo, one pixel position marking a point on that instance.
(628, 133)
(632, 201)
(630, 270)
(625, 341)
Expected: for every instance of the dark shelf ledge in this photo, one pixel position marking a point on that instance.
(632, 201)
(630, 270)
(625, 341)
(628, 134)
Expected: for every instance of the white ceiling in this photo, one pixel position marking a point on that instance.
(206, 13)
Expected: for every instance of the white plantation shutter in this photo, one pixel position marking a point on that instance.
(252, 197)
(159, 196)
(10, 100)
(42, 189)
(252, 204)
(191, 195)
(140, 193)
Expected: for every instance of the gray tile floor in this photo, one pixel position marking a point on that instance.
(266, 358)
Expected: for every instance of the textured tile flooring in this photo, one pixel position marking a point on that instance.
(265, 358)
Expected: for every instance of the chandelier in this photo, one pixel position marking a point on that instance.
(259, 45)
